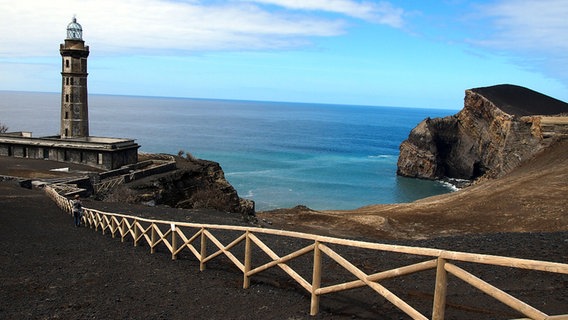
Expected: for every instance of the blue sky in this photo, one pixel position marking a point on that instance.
(405, 53)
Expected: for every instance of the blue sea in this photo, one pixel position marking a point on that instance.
(278, 154)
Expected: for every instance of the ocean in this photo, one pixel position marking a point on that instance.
(278, 154)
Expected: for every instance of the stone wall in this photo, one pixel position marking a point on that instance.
(100, 155)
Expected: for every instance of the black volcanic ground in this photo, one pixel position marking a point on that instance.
(521, 101)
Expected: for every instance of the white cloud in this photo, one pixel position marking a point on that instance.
(381, 12)
(534, 30)
(533, 25)
(31, 28)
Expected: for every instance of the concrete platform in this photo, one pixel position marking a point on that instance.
(42, 169)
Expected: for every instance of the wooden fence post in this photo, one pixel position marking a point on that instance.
(103, 223)
(113, 227)
(86, 215)
(135, 232)
(174, 241)
(153, 238)
(122, 229)
(248, 255)
(203, 252)
(316, 280)
(97, 220)
(439, 305)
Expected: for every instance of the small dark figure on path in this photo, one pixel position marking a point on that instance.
(77, 210)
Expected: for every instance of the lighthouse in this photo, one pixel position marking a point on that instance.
(74, 106)
(73, 144)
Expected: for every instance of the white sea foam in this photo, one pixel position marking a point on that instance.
(449, 185)
(382, 156)
(454, 184)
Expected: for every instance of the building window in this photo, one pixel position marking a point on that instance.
(100, 159)
(71, 81)
(66, 98)
(46, 153)
(66, 115)
(66, 132)
(66, 63)
(66, 81)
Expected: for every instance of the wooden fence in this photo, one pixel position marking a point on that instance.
(107, 185)
(176, 238)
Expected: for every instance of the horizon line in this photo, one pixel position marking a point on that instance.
(243, 100)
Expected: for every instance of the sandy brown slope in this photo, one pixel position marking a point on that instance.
(534, 197)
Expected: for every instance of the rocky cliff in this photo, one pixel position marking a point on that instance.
(498, 128)
(194, 184)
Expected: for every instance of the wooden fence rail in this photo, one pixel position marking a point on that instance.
(179, 236)
(108, 185)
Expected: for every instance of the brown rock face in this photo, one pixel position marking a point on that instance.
(195, 184)
(482, 139)
(429, 141)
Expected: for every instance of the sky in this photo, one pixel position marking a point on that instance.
(406, 53)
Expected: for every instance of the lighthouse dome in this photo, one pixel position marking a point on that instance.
(74, 30)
